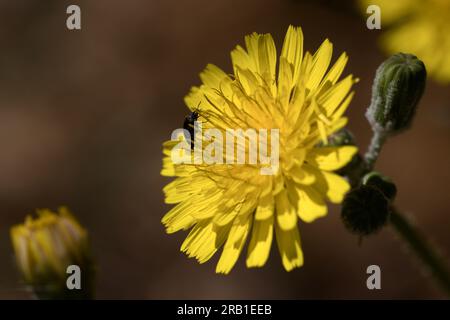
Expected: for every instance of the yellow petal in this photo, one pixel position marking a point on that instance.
(204, 240)
(216, 78)
(285, 81)
(302, 175)
(277, 184)
(240, 59)
(252, 45)
(20, 240)
(248, 80)
(168, 168)
(341, 109)
(335, 72)
(292, 49)
(212, 76)
(226, 215)
(290, 247)
(172, 192)
(194, 99)
(286, 217)
(331, 158)
(260, 243)
(321, 61)
(235, 242)
(333, 97)
(265, 207)
(178, 217)
(267, 55)
(333, 185)
(311, 204)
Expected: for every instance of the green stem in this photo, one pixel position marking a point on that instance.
(422, 248)
(371, 156)
(418, 243)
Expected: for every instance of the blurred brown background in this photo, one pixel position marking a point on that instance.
(83, 115)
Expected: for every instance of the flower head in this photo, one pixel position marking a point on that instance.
(226, 203)
(420, 27)
(46, 246)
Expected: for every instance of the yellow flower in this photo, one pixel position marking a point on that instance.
(46, 246)
(224, 204)
(420, 27)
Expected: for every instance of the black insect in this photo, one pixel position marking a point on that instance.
(188, 125)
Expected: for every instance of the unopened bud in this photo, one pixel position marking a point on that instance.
(365, 210)
(382, 183)
(45, 247)
(398, 86)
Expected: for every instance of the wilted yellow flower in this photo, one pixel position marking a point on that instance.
(44, 247)
(225, 203)
(420, 27)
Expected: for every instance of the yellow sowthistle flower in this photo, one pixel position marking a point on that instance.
(420, 27)
(44, 247)
(226, 203)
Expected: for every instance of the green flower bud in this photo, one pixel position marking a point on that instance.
(384, 184)
(365, 210)
(45, 247)
(398, 86)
